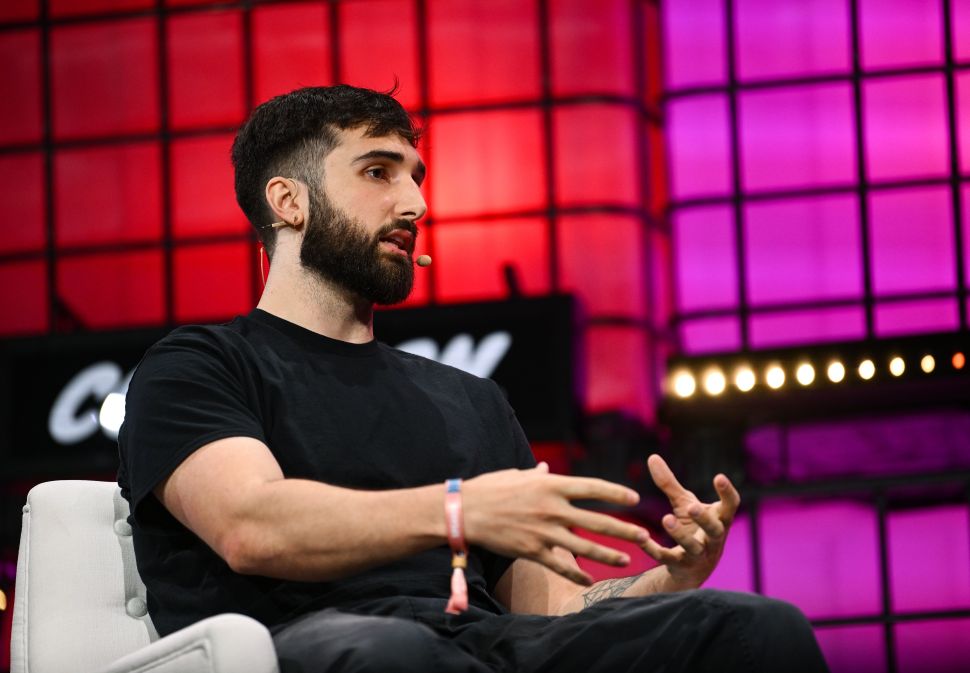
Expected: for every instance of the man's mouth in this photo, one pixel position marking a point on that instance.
(399, 242)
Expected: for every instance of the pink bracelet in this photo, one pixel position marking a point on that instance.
(455, 525)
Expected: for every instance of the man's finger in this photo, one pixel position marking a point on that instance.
(588, 549)
(682, 535)
(582, 488)
(607, 525)
(707, 519)
(570, 571)
(730, 498)
(662, 554)
(664, 478)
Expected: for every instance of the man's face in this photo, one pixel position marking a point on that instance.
(360, 230)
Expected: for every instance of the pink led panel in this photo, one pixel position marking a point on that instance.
(20, 80)
(911, 236)
(22, 183)
(733, 571)
(810, 561)
(900, 33)
(905, 127)
(486, 162)
(965, 200)
(60, 8)
(212, 281)
(694, 46)
(469, 258)
(592, 50)
(104, 78)
(19, 10)
(205, 61)
(374, 63)
(789, 328)
(797, 137)
(710, 335)
(601, 261)
(962, 82)
(203, 200)
(930, 558)
(939, 646)
(113, 290)
(699, 148)
(853, 649)
(914, 317)
(483, 51)
(291, 48)
(616, 363)
(23, 298)
(960, 12)
(779, 39)
(122, 203)
(706, 275)
(803, 249)
(596, 155)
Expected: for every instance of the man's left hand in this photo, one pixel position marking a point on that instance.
(698, 528)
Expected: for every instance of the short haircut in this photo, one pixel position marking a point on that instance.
(291, 134)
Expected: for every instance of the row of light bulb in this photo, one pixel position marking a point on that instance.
(714, 381)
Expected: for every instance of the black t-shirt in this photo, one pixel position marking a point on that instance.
(356, 415)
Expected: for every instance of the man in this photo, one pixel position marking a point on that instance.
(289, 467)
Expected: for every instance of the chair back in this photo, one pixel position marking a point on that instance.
(79, 603)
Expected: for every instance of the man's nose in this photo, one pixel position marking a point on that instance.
(411, 205)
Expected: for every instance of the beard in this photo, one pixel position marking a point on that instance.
(338, 248)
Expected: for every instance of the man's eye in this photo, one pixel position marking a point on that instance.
(377, 172)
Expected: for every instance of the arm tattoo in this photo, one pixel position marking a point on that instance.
(608, 589)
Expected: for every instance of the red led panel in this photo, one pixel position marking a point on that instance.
(900, 33)
(480, 52)
(205, 62)
(22, 183)
(699, 146)
(790, 328)
(19, 10)
(617, 372)
(291, 48)
(596, 155)
(212, 281)
(20, 81)
(710, 335)
(916, 317)
(108, 194)
(657, 189)
(23, 298)
(705, 258)
(470, 258)
(113, 290)
(591, 46)
(797, 137)
(601, 260)
(105, 78)
(905, 127)
(60, 8)
(660, 278)
(203, 199)
(486, 162)
(654, 55)
(375, 63)
(191, 3)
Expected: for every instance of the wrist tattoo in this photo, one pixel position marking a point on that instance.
(608, 589)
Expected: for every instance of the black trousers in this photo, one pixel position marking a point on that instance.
(702, 630)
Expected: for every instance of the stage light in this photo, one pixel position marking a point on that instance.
(959, 360)
(867, 369)
(714, 381)
(928, 363)
(775, 377)
(836, 371)
(897, 366)
(805, 374)
(744, 379)
(684, 384)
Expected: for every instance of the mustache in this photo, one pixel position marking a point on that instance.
(406, 225)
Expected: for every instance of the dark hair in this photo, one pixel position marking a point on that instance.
(291, 134)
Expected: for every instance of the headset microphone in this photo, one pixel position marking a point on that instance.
(424, 260)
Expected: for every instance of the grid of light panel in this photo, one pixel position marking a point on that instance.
(819, 166)
(543, 145)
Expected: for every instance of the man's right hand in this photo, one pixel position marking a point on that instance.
(529, 513)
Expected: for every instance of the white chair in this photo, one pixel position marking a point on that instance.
(79, 605)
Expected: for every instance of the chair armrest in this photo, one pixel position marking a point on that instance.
(226, 643)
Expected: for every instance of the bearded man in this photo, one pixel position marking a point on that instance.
(289, 467)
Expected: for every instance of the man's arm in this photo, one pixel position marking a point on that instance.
(233, 495)
(699, 529)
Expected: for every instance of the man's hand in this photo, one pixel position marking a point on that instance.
(528, 514)
(700, 529)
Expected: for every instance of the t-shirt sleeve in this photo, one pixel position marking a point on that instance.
(186, 392)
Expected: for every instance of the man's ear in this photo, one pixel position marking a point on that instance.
(283, 197)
